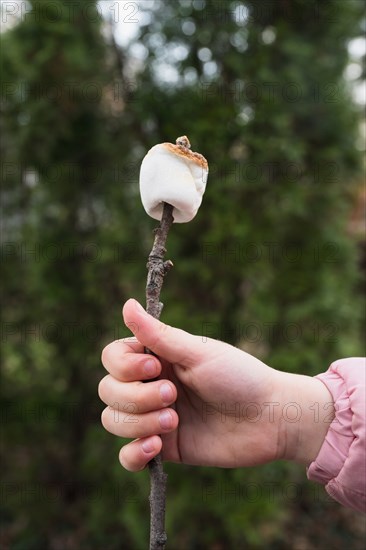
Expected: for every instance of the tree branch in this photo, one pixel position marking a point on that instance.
(157, 269)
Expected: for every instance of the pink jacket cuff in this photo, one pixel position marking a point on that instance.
(341, 462)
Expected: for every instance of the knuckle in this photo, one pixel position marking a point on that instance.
(106, 354)
(126, 461)
(104, 418)
(162, 333)
(164, 329)
(101, 388)
(123, 458)
(131, 460)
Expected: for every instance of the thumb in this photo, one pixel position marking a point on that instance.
(173, 344)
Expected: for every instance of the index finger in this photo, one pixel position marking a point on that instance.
(126, 361)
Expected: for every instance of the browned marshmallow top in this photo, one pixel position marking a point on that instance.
(186, 153)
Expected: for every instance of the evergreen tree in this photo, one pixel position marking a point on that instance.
(258, 87)
(69, 223)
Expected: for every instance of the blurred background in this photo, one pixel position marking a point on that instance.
(272, 93)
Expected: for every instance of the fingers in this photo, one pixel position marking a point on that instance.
(139, 396)
(126, 361)
(174, 345)
(135, 455)
(126, 423)
(137, 410)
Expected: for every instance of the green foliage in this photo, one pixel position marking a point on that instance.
(267, 264)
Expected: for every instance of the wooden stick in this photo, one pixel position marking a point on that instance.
(157, 269)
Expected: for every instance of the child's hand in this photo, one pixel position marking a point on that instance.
(213, 404)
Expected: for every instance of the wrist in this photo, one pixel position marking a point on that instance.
(307, 412)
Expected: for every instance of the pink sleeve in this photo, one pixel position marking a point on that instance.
(341, 462)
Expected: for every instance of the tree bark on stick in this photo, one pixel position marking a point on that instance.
(157, 269)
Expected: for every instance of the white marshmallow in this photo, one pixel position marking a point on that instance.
(173, 174)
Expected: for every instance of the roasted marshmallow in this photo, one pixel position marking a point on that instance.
(176, 175)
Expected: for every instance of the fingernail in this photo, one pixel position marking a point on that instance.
(166, 420)
(166, 393)
(148, 446)
(150, 368)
